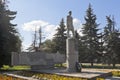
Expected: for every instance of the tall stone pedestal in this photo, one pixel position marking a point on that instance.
(72, 55)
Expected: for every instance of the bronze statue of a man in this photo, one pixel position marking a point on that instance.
(70, 24)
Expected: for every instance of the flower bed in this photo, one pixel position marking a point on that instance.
(100, 79)
(116, 73)
(46, 76)
(5, 77)
(56, 77)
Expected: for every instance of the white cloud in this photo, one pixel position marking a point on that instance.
(25, 46)
(36, 24)
(77, 25)
(48, 29)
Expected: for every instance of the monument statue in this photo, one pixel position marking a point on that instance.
(71, 51)
(70, 25)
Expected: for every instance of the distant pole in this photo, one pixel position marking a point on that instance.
(35, 38)
(113, 22)
(40, 37)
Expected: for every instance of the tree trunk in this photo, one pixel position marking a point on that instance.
(91, 64)
(114, 65)
(114, 62)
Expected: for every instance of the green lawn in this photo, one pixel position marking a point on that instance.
(96, 65)
(84, 65)
(99, 65)
(7, 67)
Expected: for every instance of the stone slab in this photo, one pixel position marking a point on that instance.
(22, 77)
(72, 56)
(112, 78)
(86, 73)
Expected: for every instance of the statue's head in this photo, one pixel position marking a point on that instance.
(70, 12)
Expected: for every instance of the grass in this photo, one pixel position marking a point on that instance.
(100, 66)
(53, 76)
(7, 67)
(96, 66)
(84, 65)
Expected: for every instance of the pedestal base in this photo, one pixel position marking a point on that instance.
(72, 55)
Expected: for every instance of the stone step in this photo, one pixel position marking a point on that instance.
(112, 78)
(104, 75)
(22, 77)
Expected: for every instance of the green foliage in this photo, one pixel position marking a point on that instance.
(58, 44)
(90, 38)
(111, 41)
(7, 67)
(116, 73)
(60, 38)
(9, 37)
(48, 46)
(100, 66)
(93, 45)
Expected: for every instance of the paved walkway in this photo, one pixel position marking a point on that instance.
(112, 78)
(22, 77)
(86, 73)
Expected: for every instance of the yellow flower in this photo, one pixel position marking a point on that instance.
(100, 79)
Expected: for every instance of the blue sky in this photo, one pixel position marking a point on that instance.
(48, 13)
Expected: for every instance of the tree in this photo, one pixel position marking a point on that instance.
(111, 41)
(90, 35)
(60, 38)
(9, 37)
(80, 47)
(101, 48)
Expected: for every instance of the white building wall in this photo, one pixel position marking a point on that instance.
(37, 58)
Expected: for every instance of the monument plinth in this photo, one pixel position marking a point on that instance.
(72, 53)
